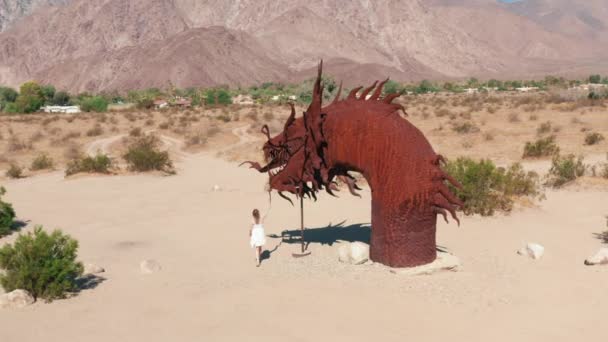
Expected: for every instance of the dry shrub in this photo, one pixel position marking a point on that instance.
(593, 138)
(16, 145)
(442, 112)
(514, 117)
(533, 117)
(544, 147)
(565, 169)
(97, 130)
(135, 132)
(42, 162)
(544, 128)
(466, 127)
(144, 155)
(101, 163)
(14, 171)
(72, 151)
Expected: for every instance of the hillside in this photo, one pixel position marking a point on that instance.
(118, 44)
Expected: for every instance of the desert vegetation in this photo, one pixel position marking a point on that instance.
(41, 263)
(7, 215)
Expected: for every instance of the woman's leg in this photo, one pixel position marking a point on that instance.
(258, 251)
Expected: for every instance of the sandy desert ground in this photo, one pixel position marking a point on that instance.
(209, 288)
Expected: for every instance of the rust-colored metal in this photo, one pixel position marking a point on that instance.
(366, 134)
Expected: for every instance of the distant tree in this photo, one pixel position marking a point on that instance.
(223, 97)
(595, 79)
(494, 83)
(392, 87)
(8, 94)
(210, 99)
(30, 98)
(473, 83)
(425, 87)
(49, 92)
(605, 80)
(61, 98)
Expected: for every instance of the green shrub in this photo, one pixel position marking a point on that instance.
(144, 155)
(14, 171)
(593, 138)
(7, 215)
(565, 169)
(543, 147)
(42, 162)
(43, 264)
(487, 188)
(94, 104)
(101, 163)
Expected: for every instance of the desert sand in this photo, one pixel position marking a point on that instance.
(209, 288)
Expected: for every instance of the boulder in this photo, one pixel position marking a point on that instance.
(344, 252)
(600, 258)
(355, 253)
(149, 266)
(532, 250)
(93, 269)
(16, 300)
(359, 253)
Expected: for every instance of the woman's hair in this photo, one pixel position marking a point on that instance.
(256, 214)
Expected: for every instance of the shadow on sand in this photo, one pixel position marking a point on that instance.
(330, 234)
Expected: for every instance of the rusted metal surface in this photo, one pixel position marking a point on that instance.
(364, 133)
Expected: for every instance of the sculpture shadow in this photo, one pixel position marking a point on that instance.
(602, 236)
(329, 234)
(266, 254)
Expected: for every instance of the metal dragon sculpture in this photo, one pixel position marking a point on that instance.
(365, 133)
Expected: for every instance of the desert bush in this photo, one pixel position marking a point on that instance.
(565, 169)
(544, 128)
(604, 170)
(42, 162)
(514, 117)
(144, 155)
(100, 163)
(543, 147)
(135, 132)
(7, 215)
(15, 144)
(593, 138)
(95, 131)
(487, 188)
(14, 171)
(198, 139)
(533, 117)
(464, 127)
(442, 112)
(94, 104)
(43, 264)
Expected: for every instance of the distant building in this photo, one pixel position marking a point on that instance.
(471, 90)
(243, 100)
(61, 109)
(160, 104)
(183, 102)
(590, 86)
(526, 89)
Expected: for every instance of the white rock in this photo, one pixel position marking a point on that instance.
(344, 252)
(93, 269)
(16, 300)
(600, 258)
(359, 253)
(149, 266)
(444, 262)
(216, 188)
(533, 250)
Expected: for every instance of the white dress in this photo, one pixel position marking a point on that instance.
(258, 237)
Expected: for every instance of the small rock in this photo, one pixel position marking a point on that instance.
(344, 253)
(16, 300)
(149, 266)
(216, 188)
(359, 252)
(533, 250)
(93, 269)
(600, 258)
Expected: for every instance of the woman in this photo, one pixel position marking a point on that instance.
(257, 237)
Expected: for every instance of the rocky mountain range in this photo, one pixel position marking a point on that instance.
(98, 45)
